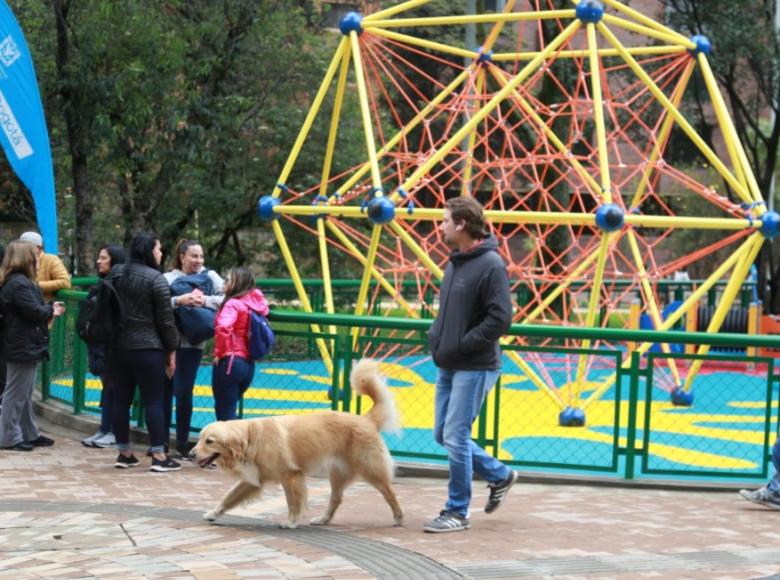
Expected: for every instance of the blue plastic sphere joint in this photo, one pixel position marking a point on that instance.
(610, 217)
(590, 11)
(681, 398)
(770, 224)
(265, 207)
(351, 21)
(380, 210)
(571, 417)
(703, 44)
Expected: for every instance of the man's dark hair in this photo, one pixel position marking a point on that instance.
(467, 210)
(142, 250)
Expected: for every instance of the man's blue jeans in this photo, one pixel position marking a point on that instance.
(774, 483)
(459, 397)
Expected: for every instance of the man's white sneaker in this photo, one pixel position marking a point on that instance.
(107, 440)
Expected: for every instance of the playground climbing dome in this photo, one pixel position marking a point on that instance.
(560, 124)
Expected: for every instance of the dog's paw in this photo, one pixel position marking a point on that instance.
(322, 520)
(211, 516)
(399, 521)
(289, 525)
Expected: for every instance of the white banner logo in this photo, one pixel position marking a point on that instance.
(9, 52)
(13, 131)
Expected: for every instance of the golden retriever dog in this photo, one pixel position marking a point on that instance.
(285, 449)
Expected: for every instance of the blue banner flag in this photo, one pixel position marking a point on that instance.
(23, 133)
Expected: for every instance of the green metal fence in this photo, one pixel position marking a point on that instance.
(634, 433)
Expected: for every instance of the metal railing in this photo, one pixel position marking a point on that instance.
(633, 431)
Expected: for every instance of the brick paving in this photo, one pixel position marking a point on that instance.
(65, 512)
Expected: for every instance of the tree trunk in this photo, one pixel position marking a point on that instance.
(74, 121)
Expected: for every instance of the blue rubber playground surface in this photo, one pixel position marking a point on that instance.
(722, 434)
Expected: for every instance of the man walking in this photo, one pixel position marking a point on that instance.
(475, 309)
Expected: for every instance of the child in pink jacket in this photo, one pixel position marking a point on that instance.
(234, 369)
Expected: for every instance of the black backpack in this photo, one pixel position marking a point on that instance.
(101, 314)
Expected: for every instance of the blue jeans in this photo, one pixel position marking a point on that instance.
(187, 365)
(229, 388)
(774, 483)
(459, 397)
(106, 403)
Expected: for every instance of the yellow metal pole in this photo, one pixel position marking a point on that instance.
(373, 246)
(327, 282)
(593, 307)
(352, 249)
(663, 134)
(301, 291)
(691, 324)
(393, 10)
(652, 306)
(598, 114)
(752, 328)
(531, 374)
(554, 139)
(368, 128)
(634, 314)
(334, 123)
(735, 149)
(583, 53)
(416, 249)
(649, 22)
(458, 137)
(730, 292)
(312, 114)
(422, 43)
(499, 26)
(533, 217)
(471, 19)
(689, 303)
(661, 35)
(416, 120)
(681, 121)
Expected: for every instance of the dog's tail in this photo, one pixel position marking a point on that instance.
(367, 380)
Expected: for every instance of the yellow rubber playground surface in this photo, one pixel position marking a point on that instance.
(723, 432)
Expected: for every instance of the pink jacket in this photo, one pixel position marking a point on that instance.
(232, 324)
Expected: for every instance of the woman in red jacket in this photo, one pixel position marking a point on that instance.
(234, 369)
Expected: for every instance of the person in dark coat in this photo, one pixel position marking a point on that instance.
(143, 349)
(475, 310)
(108, 256)
(25, 342)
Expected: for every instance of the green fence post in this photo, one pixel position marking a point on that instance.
(633, 402)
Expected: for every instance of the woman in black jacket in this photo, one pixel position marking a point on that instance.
(25, 342)
(108, 257)
(143, 349)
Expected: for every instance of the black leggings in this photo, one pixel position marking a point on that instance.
(146, 369)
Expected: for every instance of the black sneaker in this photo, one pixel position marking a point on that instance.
(182, 452)
(166, 464)
(498, 492)
(125, 461)
(41, 441)
(447, 522)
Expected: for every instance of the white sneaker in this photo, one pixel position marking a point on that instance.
(90, 441)
(107, 440)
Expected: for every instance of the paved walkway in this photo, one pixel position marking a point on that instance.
(66, 512)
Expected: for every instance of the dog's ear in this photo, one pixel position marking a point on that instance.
(233, 443)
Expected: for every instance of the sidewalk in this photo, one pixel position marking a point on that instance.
(66, 512)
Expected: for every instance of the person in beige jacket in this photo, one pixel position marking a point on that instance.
(52, 274)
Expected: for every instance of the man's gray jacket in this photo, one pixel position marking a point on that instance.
(475, 310)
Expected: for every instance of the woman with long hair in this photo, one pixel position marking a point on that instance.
(108, 256)
(25, 342)
(188, 261)
(233, 368)
(142, 350)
